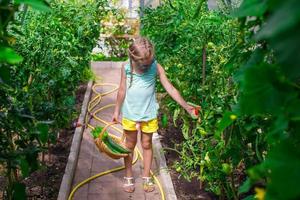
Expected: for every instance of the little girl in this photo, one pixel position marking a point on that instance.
(137, 101)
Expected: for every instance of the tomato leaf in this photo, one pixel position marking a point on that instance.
(36, 4)
(8, 55)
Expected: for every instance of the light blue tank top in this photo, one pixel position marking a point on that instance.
(140, 101)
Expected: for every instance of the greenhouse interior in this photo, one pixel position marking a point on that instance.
(149, 99)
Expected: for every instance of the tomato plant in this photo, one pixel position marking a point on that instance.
(241, 65)
(195, 49)
(44, 57)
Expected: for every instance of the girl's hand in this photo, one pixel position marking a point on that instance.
(193, 111)
(115, 117)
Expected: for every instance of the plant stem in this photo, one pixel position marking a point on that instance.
(201, 185)
(203, 65)
(233, 187)
(171, 149)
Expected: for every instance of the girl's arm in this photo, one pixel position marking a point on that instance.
(121, 95)
(172, 91)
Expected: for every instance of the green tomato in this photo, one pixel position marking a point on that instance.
(210, 45)
(203, 132)
(226, 168)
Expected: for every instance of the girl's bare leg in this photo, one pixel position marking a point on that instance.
(146, 141)
(131, 138)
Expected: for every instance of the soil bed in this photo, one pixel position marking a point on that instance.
(184, 189)
(44, 184)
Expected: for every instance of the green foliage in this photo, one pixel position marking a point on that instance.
(46, 57)
(164, 120)
(64, 44)
(269, 87)
(102, 57)
(195, 46)
(36, 4)
(248, 87)
(8, 55)
(116, 33)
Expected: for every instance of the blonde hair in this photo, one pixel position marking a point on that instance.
(139, 51)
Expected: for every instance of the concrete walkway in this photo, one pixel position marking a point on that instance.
(91, 162)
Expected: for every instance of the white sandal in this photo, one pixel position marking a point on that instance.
(128, 185)
(148, 184)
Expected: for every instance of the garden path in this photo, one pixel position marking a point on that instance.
(91, 161)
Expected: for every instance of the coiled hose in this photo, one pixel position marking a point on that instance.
(92, 104)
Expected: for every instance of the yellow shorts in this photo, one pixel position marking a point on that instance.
(146, 127)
